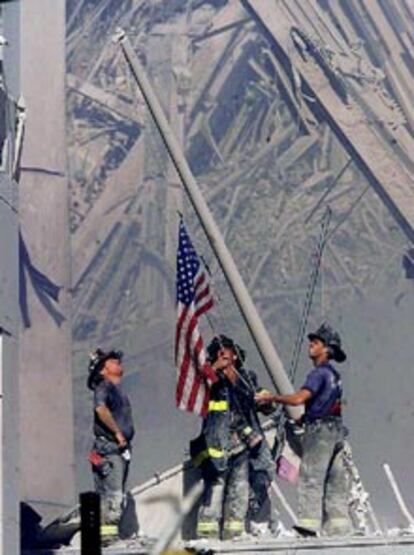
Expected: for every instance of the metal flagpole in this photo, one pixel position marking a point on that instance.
(254, 323)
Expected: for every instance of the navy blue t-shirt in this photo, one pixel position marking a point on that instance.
(116, 400)
(324, 382)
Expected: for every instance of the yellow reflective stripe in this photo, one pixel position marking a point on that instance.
(309, 523)
(218, 406)
(109, 530)
(234, 525)
(211, 452)
(247, 430)
(212, 526)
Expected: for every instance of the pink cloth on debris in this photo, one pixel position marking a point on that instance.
(288, 465)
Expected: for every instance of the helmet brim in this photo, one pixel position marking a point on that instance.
(338, 354)
(313, 336)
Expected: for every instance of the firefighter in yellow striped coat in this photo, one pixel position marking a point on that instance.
(230, 443)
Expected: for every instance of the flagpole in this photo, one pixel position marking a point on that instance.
(254, 323)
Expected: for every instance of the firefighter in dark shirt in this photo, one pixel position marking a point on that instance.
(113, 431)
(323, 506)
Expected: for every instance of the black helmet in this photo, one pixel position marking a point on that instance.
(331, 339)
(97, 360)
(222, 341)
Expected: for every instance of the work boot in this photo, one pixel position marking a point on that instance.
(109, 541)
(243, 537)
(305, 532)
(259, 529)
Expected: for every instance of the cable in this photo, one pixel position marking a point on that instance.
(310, 292)
(280, 415)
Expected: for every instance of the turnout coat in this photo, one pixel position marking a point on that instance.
(231, 426)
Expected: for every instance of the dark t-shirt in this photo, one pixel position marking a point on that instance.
(116, 400)
(324, 382)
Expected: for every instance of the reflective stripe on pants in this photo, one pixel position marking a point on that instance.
(109, 530)
(233, 526)
(207, 529)
(211, 452)
(236, 485)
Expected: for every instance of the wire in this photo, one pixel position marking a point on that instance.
(310, 293)
(280, 415)
(216, 298)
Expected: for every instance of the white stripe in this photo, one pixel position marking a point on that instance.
(181, 342)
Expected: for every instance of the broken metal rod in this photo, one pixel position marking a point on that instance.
(397, 493)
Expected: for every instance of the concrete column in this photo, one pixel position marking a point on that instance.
(9, 305)
(9, 375)
(47, 454)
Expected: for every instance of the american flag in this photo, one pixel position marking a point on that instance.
(193, 299)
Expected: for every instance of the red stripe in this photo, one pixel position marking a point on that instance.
(199, 281)
(204, 308)
(180, 322)
(184, 367)
(195, 391)
(208, 373)
(197, 380)
(182, 377)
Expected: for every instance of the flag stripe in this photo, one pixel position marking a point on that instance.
(195, 386)
(186, 363)
(180, 323)
(202, 295)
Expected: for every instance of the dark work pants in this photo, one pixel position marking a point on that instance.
(110, 482)
(224, 508)
(323, 487)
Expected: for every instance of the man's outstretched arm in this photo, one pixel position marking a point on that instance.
(293, 399)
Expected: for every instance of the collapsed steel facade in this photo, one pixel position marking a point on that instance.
(270, 117)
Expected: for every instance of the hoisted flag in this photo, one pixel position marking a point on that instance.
(193, 299)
